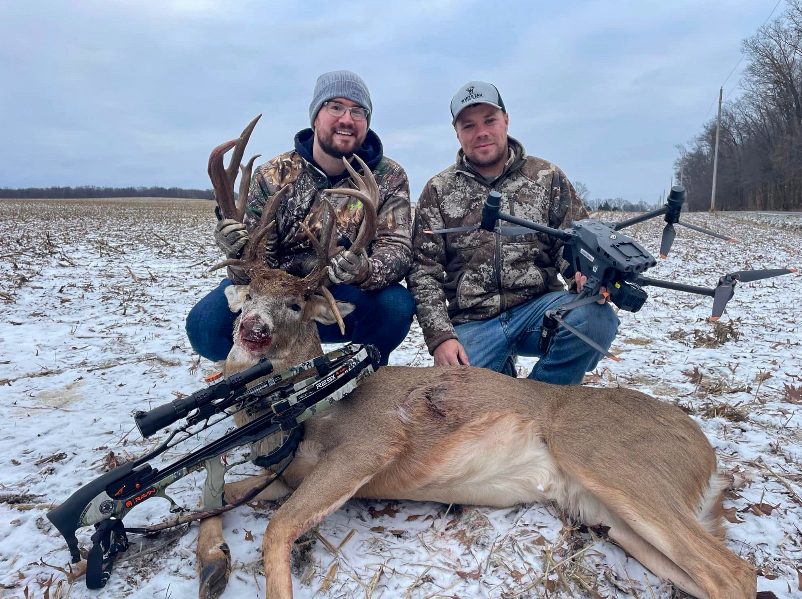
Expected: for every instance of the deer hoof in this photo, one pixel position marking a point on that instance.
(215, 568)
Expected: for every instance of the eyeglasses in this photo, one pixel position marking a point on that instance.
(337, 110)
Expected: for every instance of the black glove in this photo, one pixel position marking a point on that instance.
(231, 236)
(349, 268)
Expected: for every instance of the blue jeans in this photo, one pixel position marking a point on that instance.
(494, 343)
(381, 318)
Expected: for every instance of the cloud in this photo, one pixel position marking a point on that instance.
(138, 92)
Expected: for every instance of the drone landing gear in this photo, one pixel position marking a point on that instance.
(553, 319)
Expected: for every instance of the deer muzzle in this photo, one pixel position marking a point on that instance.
(254, 333)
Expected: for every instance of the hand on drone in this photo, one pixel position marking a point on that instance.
(580, 284)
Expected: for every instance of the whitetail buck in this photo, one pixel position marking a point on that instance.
(611, 457)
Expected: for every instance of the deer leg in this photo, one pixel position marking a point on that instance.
(213, 554)
(235, 491)
(675, 546)
(335, 479)
(214, 558)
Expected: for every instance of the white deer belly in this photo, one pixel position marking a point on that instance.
(508, 464)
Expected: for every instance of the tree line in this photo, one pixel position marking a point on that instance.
(760, 137)
(92, 191)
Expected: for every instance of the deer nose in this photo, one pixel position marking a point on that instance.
(255, 330)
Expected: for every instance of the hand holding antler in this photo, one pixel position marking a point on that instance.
(352, 265)
(230, 236)
(349, 268)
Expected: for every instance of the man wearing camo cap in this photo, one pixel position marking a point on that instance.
(340, 114)
(480, 296)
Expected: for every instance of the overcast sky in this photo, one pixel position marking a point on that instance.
(137, 92)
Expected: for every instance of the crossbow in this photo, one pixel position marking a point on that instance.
(286, 399)
(613, 262)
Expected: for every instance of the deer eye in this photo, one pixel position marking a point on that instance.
(248, 297)
(294, 307)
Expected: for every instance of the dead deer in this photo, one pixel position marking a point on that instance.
(611, 457)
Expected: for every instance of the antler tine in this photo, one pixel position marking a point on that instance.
(236, 157)
(368, 192)
(267, 225)
(317, 278)
(228, 262)
(244, 186)
(327, 226)
(223, 194)
(223, 178)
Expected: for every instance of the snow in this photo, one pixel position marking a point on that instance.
(93, 295)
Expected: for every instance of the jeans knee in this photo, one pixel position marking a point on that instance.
(395, 305)
(598, 321)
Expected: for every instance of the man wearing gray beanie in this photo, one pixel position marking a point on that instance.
(340, 113)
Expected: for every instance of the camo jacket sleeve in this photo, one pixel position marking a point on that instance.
(566, 208)
(427, 276)
(391, 250)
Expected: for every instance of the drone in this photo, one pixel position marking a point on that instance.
(614, 262)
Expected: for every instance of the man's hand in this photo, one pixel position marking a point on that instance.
(230, 236)
(450, 353)
(580, 284)
(349, 268)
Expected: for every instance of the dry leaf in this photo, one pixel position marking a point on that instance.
(731, 515)
(472, 575)
(248, 535)
(462, 537)
(387, 510)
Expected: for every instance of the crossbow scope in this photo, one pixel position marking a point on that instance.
(612, 261)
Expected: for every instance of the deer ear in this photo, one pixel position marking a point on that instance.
(235, 294)
(319, 309)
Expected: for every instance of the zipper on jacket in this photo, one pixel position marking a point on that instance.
(497, 268)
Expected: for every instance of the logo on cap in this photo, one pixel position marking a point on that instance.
(471, 95)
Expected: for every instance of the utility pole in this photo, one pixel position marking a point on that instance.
(715, 153)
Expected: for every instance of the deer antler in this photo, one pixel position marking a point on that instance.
(223, 178)
(317, 280)
(256, 252)
(367, 191)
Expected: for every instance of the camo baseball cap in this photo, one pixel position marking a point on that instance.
(475, 92)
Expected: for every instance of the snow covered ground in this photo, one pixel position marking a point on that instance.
(93, 296)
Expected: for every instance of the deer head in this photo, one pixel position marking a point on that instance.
(279, 311)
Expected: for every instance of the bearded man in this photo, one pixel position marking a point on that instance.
(340, 114)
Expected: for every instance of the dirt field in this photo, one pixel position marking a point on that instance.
(93, 296)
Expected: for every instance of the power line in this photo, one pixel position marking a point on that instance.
(742, 56)
(740, 60)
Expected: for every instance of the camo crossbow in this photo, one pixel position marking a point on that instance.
(287, 399)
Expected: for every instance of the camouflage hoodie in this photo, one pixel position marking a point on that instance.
(391, 251)
(460, 277)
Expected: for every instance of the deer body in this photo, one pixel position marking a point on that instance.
(472, 436)
(612, 457)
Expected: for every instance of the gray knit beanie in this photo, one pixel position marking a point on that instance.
(340, 84)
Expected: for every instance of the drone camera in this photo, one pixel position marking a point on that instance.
(627, 295)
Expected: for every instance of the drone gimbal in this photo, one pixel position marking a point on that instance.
(613, 262)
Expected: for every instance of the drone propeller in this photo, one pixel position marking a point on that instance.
(669, 233)
(726, 285)
(668, 238)
(707, 231)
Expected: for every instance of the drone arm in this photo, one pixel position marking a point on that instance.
(639, 219)
(558, 233)
(675, 286)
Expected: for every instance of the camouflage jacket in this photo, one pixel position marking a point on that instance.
(460, 277)
(391, 251)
